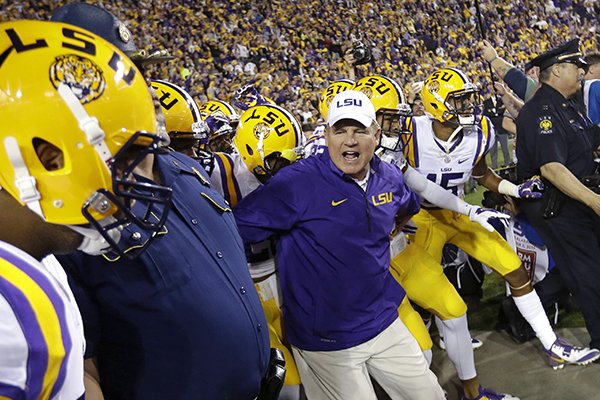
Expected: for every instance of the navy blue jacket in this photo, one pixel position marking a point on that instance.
(183, 320)
(333, 248)
(553, 129)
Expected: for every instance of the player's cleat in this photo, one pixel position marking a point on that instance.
(563, 352)
(476, 343)
(489, 394)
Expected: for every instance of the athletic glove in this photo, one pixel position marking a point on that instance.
(531, 188)
(482, 215)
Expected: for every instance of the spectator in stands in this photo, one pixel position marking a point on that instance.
(296, 38)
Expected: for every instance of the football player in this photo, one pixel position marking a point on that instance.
(185, 126)
(222, 121)
(64, 185)
(448, 146)
(421, 275)
(316, 143)
(268, 138)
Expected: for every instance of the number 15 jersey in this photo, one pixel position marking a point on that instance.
(449, 164)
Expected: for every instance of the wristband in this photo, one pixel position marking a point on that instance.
(506, 187)
(492, 60)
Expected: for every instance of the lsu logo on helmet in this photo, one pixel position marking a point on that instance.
(330, 92)
(266, 132)
(391, 108)
(80, 74)
(449, 95)
(384, 92)
(212, 106)
(182, 117)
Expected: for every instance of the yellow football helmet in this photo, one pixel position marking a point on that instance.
(184, 124)
(213, 106)
(391, 108)
(222, 121)
(449, 96)
(65, 89)
(268, 138)
(329, 93)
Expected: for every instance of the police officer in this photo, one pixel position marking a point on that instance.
(182, 320)
(556, 140)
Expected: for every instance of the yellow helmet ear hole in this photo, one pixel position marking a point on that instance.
(50, 156)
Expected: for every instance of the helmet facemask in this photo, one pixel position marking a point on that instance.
(464, 106)
(136, 200)
(394, 135)
(189, 143)
(221, 133)
(275, 161)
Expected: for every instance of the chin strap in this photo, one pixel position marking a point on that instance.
(89, 125)
(25, 183)
(260, 146)
(454, 133)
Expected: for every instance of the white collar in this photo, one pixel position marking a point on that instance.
(363, 182)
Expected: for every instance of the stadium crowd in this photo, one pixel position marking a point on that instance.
(292, 50)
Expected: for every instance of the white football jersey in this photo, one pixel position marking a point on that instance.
(449, 164)
(234, 181)
(41, 334)
(232, 178)
(316, 144)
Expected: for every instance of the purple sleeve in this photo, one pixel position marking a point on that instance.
(268, 210)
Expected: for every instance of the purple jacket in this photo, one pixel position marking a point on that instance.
(332, 248)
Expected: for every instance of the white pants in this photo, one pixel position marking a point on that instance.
(393, 358)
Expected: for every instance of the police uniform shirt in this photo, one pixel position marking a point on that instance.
(551, 128)
(182, 321)
(234, 181)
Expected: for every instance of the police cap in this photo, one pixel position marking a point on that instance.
(104, 24)
(567, 52)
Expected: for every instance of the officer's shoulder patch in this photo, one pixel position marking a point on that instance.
(545, 125)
